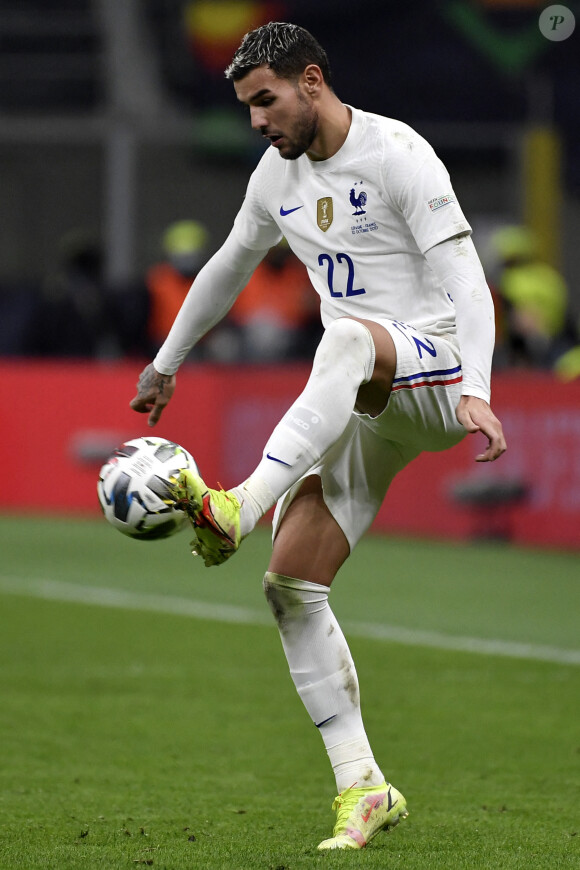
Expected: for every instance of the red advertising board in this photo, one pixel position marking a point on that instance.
(60, 420)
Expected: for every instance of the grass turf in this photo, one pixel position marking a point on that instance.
(131, 738)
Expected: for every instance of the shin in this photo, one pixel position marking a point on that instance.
(324, 674)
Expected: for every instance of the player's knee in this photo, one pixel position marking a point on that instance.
(286, 597)
(349, 342)
(346, 334)
(277, 596)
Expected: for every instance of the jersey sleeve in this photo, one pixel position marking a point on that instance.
(209, 299)
(254, 226)
(459, 270)
(420, 187)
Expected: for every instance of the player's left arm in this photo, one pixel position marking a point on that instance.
(476, 415)
(459, 270)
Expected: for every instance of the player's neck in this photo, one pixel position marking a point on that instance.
(334, 123)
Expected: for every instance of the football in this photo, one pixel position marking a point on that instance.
(134, 487)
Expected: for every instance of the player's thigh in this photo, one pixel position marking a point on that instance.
(425, 392)
(309, 543)
(354, 475)
(373, 396)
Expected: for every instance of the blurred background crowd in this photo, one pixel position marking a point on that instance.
(124, 158)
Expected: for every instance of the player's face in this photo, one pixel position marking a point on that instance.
(280, 109)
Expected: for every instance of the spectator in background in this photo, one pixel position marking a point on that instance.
(534, 300)
(277, 314)
(275, 319)
(185, 245)
(75, 315)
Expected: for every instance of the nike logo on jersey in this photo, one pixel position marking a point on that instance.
(285, 211)
(275, 459)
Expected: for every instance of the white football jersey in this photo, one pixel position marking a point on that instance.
(361, 222)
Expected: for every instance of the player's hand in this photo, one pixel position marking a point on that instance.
(154, 391)
(477, 416)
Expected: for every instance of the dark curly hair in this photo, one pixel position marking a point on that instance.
(286, 48)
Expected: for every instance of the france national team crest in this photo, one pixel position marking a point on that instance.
(324, 213)
(358, 199)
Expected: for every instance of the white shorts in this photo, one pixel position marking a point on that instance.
(420, 416)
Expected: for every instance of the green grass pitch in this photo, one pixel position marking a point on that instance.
(147, 717)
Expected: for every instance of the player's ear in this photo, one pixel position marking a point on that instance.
(313, 79)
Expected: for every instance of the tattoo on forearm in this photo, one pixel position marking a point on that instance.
(152, 380)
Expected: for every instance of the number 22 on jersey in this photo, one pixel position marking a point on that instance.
(344, 271)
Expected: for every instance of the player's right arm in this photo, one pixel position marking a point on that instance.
(213, 292)
(209, 299)
(154, 391)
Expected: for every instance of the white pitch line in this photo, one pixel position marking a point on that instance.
(99, 596)
(123, 599)
(438, 640)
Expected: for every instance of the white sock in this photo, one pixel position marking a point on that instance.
(255, 501)
(344, 360)
(324, 675)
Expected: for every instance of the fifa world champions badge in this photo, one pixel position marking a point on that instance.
(324, 213)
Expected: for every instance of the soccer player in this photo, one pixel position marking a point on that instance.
(403, 366)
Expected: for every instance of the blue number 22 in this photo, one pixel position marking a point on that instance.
(340, 258)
